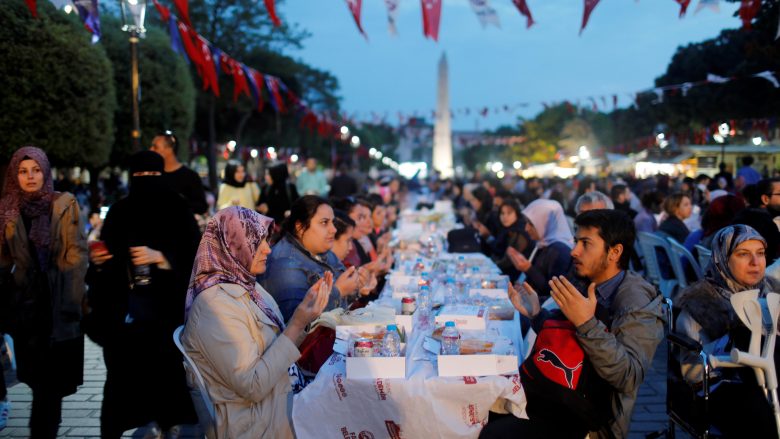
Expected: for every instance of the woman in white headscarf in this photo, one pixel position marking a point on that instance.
(546, 224)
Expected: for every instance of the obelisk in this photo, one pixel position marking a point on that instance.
(442, 133)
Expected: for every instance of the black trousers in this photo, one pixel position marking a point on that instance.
(3, 389)
(45, 416)
(510, 427)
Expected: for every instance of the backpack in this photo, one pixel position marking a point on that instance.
(557, 377)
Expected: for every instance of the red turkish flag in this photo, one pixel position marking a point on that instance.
(683, 6)
(33, 7)
(183, 6)
(165, 13)
(189, 40)
(209, 70)
(259, 80)
(354, 7)
(748, 11)
(522, 6)
(271, 7)
(431, 10)
(589, 6)
(240, 85)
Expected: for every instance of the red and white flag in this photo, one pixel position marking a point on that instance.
(769, 76)
(716, 79)
(714, 5)
(522, 6)
(748, 11)
(683, 6)
(431, 10)
(271, 7)
(485, 13)
(392, 14)
(31, 4)
(589, 6)
(183, 6)
(354, 7)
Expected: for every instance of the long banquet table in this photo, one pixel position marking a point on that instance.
(422, 405)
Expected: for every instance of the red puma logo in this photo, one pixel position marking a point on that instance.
(550, 357)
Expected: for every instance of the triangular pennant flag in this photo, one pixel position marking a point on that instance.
(769, 76)
(273, 90)
(189, 39)
(217, 54)
(614, 101)
(88, 12)
(270, 6)
(589, 6)
(392, 14)
(209, 69)
(748, 10)
(685, 88)
(485, 13)
(33, 6)
(659, 96)
(683, 6)
(716, 79)
(713, 5)
(228, 64)
(165, 13)
(431, 10)
(255, 80)
(176, 44)
(522, 6)
(183, 6)
(354, 7)
(240, 85)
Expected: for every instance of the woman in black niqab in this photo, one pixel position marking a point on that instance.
(134, 320)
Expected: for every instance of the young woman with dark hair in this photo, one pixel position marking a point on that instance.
(278, 195)
(678, 207)
(303, 255)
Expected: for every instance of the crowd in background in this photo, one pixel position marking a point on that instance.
(256, 262)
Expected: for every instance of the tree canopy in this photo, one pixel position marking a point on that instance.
(58, 91)
(167, 88)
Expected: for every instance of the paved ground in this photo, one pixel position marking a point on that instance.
(81, 412)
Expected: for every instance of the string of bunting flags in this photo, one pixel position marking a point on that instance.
(487, 15)
(210, 61)
(607, 102)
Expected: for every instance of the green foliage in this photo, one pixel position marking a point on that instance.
(167, 89)
(57, 91)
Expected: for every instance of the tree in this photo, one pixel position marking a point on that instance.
(167, 89)
(58, 92)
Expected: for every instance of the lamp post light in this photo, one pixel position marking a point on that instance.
(133, 16)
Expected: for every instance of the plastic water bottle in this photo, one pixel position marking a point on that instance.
(424, 306)
(460, 266)
(450, 340)
(419, 267)
(449, 292)
(431, 247)
(391, 343)
(425, 280)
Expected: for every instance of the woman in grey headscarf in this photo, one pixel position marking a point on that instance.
(738, 264)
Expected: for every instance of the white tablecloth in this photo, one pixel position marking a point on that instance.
(423, 405)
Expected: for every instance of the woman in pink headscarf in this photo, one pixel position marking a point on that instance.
(43, 260)
(235, 332)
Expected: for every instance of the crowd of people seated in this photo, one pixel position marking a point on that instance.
(248, 282)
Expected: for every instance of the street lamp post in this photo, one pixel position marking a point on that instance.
(133, 16)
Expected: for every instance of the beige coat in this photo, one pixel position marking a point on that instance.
(243, 358)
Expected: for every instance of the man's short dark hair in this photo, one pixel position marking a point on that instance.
(615, 227)
(747, 160)
(617, 190)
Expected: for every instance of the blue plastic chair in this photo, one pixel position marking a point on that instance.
(648, 243)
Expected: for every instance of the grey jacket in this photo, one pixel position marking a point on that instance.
(622, 354)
